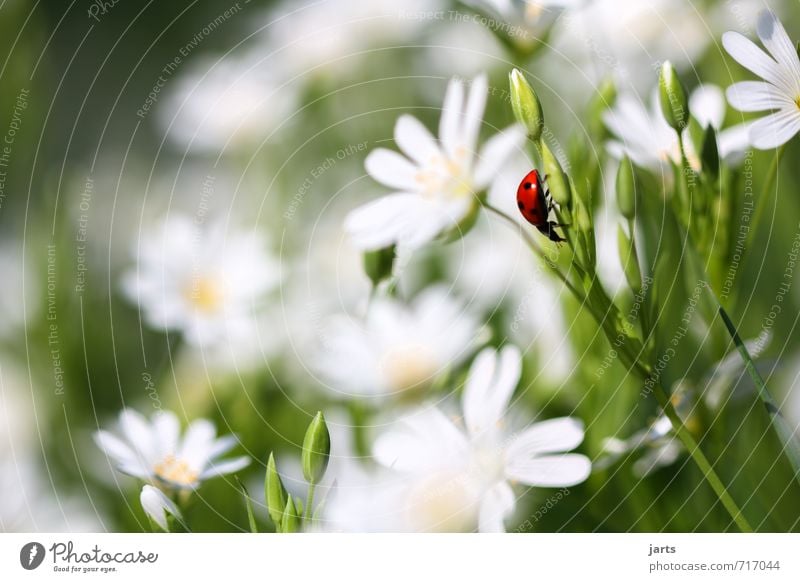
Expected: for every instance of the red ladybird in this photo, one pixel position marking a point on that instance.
(534, 203)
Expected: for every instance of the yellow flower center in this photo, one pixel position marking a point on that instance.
(205, 294)
(176, 471)
(408, 366)
(446, 177)
(443, 502)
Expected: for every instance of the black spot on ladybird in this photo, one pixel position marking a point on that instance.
(527, 185)
(521, 205)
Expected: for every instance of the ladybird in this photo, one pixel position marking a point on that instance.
(534, 203)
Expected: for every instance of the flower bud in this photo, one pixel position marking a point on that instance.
(378, 264)
(274, 493)
(291, 517)
(674, 104)
(316, 449)
(626, 188)
(582, 216)
(629, 260)
(526, 105)
(556, 179)
(157, 505)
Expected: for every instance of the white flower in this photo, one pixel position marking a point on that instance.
(437, 183)
(205, 283)
(460, 476)
(219, 105)
(154, 451)
(157, 505)
(645, 137)
(528, 20)
(780, 90)
(313, 39)
(398, 347)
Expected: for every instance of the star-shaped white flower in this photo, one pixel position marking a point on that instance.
(397, 347)
(153, 451)
(206, 282)
(645, 137)
(779, 92)
(462, 476)
(437, 183)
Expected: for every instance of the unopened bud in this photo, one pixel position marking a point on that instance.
(316, 449)
(526, 105)
(674, 104)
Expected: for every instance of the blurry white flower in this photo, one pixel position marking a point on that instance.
(154, 451)
(624, 38)
(397, 347)
(438, 183)
(333, 36)
(219, 105)
(157, 505)
(461, 476)
(206, 283)
(780, 90)
(525, 22)
(645, 137)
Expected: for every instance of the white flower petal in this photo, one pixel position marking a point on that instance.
(495, 152)
(197, 443)
(497, 505)
(167, 430)
(138, 433)
(473, 113)
(222, 445)
(756, 96)
(423, 442)
(756, 60)
(225, 467)
(775, 130)
(773, 35)
(157, 505)
(115, 448)
(386, 221)
(550, 470)
(707, 104)
(391, 169)
(415, 140)
(450, 121)
(490, 384)
(549, 436)
(733, 142)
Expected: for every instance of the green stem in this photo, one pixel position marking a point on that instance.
(701, 461)
(789, 443)
(309, 501)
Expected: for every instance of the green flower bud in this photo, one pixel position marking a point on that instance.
(378, 264)
(626, 188)
(674, 104)
(316, 449)
(274, 493)
(291, 517)
(526, 105)
(582, 216)
(556, 179)
(630, 261)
